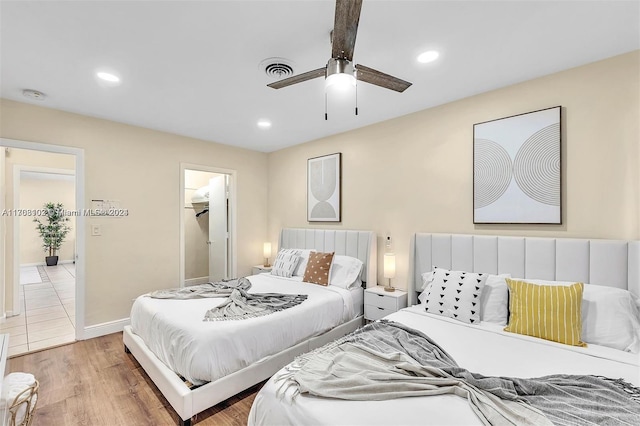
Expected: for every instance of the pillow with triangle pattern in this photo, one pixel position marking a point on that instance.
(455, 294)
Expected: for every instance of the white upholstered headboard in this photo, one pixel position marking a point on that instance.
(359, 244)
(614, 263)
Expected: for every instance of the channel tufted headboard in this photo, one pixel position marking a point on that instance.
(613, 263)
(359, 244)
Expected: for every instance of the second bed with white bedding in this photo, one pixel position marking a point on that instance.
(484, 349)
(203, 351)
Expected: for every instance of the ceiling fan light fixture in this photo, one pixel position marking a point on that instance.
(340, 82)
(340, 75)
(428, 56)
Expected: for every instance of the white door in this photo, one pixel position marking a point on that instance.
(217, 228)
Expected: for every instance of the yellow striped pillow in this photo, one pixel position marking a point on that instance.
(546, 311)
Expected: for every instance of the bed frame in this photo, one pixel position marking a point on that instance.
(614, 263)
(186, 402)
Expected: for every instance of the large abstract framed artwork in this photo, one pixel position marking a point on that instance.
(323, 188)
(516, 169)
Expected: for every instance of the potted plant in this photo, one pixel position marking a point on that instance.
(53, 231)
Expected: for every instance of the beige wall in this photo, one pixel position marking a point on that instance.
(404, 175)
(21, 157)
(140, 168)
(34, 193)
(414, 173)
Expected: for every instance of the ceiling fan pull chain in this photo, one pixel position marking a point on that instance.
(356, 96)
(325, 107)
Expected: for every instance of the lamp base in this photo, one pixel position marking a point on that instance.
(389, 288)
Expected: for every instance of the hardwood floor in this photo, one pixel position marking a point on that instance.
(93, 382)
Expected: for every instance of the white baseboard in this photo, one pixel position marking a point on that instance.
(105, 328)
(196, 281)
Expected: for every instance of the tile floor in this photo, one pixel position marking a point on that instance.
(48, 311)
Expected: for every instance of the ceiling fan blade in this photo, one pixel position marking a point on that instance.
(371, 76)
(345, 28)
(320, 72)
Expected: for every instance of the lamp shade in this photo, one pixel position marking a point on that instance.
(266, 250)
(340, 82)
(389, 265)
(339, 75)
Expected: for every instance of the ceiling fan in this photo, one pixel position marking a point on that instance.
(340, 67)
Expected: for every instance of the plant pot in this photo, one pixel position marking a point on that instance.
(51, 260)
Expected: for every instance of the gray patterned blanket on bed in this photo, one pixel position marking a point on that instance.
(387, 360)
(239, 305)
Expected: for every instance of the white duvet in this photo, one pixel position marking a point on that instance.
(484, 349)
(203, 351)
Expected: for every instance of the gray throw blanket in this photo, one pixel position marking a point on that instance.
(222, 288)
(386, 360)
(240, 303)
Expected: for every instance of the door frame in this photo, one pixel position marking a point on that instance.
(231, 218)
(80, 219)
(3, 236)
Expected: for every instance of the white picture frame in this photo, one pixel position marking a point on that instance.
(517, 177)
(324, 188)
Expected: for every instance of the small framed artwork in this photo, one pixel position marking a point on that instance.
(323, 188)
(516, 169)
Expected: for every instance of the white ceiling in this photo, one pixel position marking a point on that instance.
(192, 68)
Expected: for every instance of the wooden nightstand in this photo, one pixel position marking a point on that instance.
(379, 303)
(258, 269)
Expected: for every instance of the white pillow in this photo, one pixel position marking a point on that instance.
(494, 301)
(289, 251)
(302, 265)
(285, 264)
(455, 294)
(427, 277)
(610, 316)
(345, 271)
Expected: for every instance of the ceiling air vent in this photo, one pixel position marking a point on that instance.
(277, 67)
(34, 94)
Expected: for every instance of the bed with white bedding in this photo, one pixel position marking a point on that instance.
(485, 348)
(169, 338)
(204, 351)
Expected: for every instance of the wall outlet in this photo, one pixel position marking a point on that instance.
(96, 230)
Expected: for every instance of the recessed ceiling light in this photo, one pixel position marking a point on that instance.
(428, 56)
(108, 77)
(264, 124)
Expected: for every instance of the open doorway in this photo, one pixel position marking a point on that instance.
(207, 224)
(39, 310)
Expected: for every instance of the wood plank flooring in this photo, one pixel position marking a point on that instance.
(93, 382)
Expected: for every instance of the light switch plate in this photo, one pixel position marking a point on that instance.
(96, 230)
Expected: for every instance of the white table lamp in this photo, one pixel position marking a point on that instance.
(266, 251)
(389, 269)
